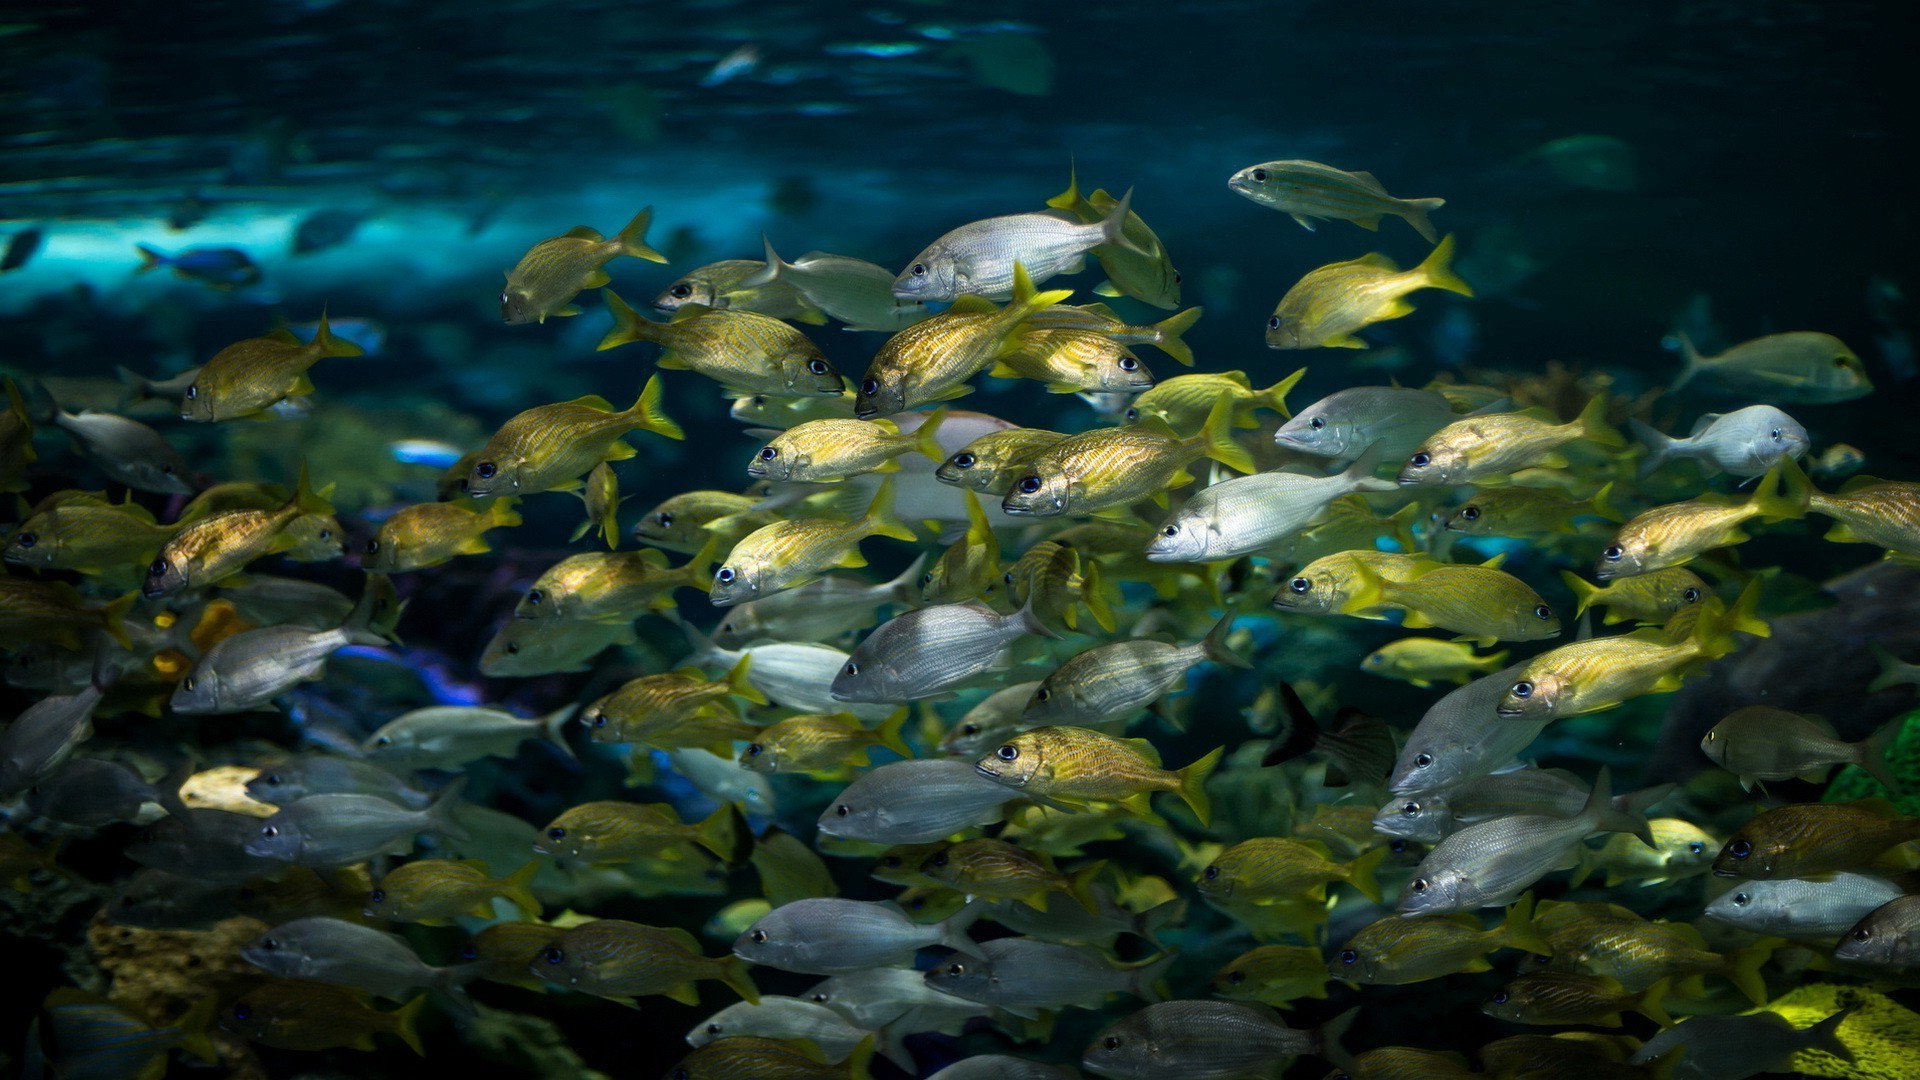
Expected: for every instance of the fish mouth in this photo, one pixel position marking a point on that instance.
(1508, 710)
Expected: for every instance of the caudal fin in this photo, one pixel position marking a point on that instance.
(554, 727)
(1584, 591)
(1147, 979)
(633, 238)
(1167, 336)
(327, 345)
(1415, 212)
(1659, 446)
(738, 681)
(1784, 493)
(724, 832)
(650, 415)
(1360, 872)
(1893, 672)
(440, 811)
(628, 324)
(1214, 645)
(1825, 1035)
(518, 889)
(405, 1024)
(373, 618)
(926, 440)
(1607, 818)
(1437, 270)
(1217, 437)
(880, 519)
(149, 259)
(1873, 753)
(733, 972)
(1275, 397)
(1691, 360)
(1518, 930)
(771, 271)
(1113, 227)
(1594, 427)
(1193, 784)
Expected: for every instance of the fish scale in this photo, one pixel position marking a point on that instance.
(744, 351)
(1881, 512)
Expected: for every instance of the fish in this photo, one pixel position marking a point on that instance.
(876, 997)
(1607, 939)
(141, 389)
(249, 377)
(927, 651)
(93, 1037)
(1430, 816)
(1326, 308)
(685, 522)
(249, 669)
(820, 744)
(1080, 766)
(451, 736)
(1868, 510)
(933, 359)
(1113, 467)
(1680, 850)
(1182, 402)
(1002, 1067)
(1762, 742)
(220, 544)
(915, 802)
(427, 534)
(95, 539)
(224, 268)
(436, 891)
(315, 1016)
(612, 831)
(1797, 367)
(341, 953)
(1060, 579)
(92, 793)
(745, 352)
(1887, 937)
(1423, 661)
(793, 552)
(1481, 604)
(126, 450)
(1744, 443)
(1396, 952)
(823, 609)
(831, 936)
(1207, 1040)
(1564, 997)
(1722, 1047)
(1072, 361)
(552, 446)
(784, 412)
(1115, 680)
(1819, 911)
(1269, 870)
(978, 259)
(16, 441)
(1327, 585)
(503, 951)
(1806, 840)
(614, 587)
(848, 290)
(1024, 976)
(1530, 512)
(1489, 448)
(989, 721)
(786, 1018)
(1165, 335)
(746, 1056)
(1247, 514)
(328, 774)
(1344, 423)
(642, 709)
(1358, 748)
(327, 227)
(1592, 162)
(1140, 267)
(1837, 461)
(1492, 863)
(547, 278)
(340, 830)
(970, 567)
(1893, 671)
(1276, 975)
(825, 451)
(614, 958)
(1653, 597)
(792, 674)
(1308, 191)
(993, 461)
(999, 870)
(722, 286)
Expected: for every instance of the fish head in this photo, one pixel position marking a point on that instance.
(769, 940)
(1878, 938)
(1508, 1004)
(1217, 881)
(314, 538)
(1422, 817)
(1471, 518)
(783, 459)
(741, 627)
(1308, 595)
(565, 839)
(381, 905)
(739, 580)
(810, 373)
(517, 306)
(161, 477)
(197, 405)
(199, 691)
(1258, 182)
(36, 544)
(1318, 432)
(600, 726)
(1016, 762)
(760, 758)
(687, 290)
(1127, 1050)
(866, 677)
(881, 393)
(1845, 373)
(1433, 891)
(381, 553)
(1123, 373)
(1434, 464)
(1529, 621)
(1049, 705)
(275, 787)
(1041, 496)
(562, 963)
(278, 837)
(1181, 539)
(1284, 332)
(1747, 854)
(853, 819)
(168, 573)
(1353, 965)
(969, 977)
(1629, 554)
(249, 1019)
(1745, 907)
(935, 275)
(1533, 696)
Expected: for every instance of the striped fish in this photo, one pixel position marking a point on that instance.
(554, 271)
(1307, 191)
(745, 352)
(554, 445)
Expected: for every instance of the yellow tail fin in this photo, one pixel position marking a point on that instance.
(1518, 930)
(1217, 437)
(1167, 336)
(737, 683)
(1193, 784)
(1437, 269)
(724, 832)
(327, 345)
(648, 410)
(926, 441)
(633, 238)
(1594, 427)
(733, 972)
(501, 513)
(1275, 397)
(1360, 872)
(1783, 493)
(406, 1023)
(628, 324)
(518, 889)
(1583, 591)
(880, 520)
(889, 733)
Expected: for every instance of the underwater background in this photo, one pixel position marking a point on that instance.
(1615, 175)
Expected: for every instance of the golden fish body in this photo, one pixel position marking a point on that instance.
(995, 868)
(655, 703)
(554, 271)
(932, 359)
(831, 450)
(1530, 512)
(1565, 997)
(1424, 661)
(1674, 533)
(1183, 401)
(507, 948)
(88, 538)
(1327, 584)
(1164, 335)
(1804, 840)
(609, 586)
(33, 611)
(1480, 603)
(1648, 598)
(1057, 579)
(1069, 361)
(219, 545)
(618, 959)
(1110, 467)
(788, 553)
(821, 743)
(600, 497)
(687, 521)
(614, 831)
(253, 375)
(1080, 765)
(1491, 447)
(745, 352)
(435, 891)
(1274, 975)
(1680, 849)
(428, 534)
(1275, 869)
(1611, 941)
(970, 567)
(1392, 952)
(990, 462)
(1884, 513)
(752, 1057)
(1327, 307)
(554, 445)
(723, 285)
(293, 1015)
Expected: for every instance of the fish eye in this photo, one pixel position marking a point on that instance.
(1300, 585)
(725, 576)
(1316, 423)
(193, 391)
(939, 859)
(1111, 1042)
(156, 567)
(1273, 323)
(1862, 934)
(1029, 485)
(1741, 899)
(1419, 885)
(1840, 362)
(1260, 176)
(713, 1029)
(926, 580)
(1774, 434)
(373, 546)
(663, 519)
(964, 461)
(1043, 694)
(870, 387)
(1398, 845)
(377, 896)
(1128, 363)
(486, 470)
(758, 935)
(26, 540)
(535, 596)
(681, 291)
(1696, 847)
(919, 270)
(768, 453)
(1212, 872)
(969, 729)
(817, 367)
(1740, 849)
(557, 833)
(270, 778)
(1008, 752)
(1690, 595)
(1177, 279)
(168, 469)
(819, 999)
(1420, 461)
(843, 810)
(1613, 553)
(1522, 690)
(187, 684)
(1133, 414)
(269, 831)
(326, 534)
(1411, 809)
(269, 944)
(755, 749)
(1470, 513)
(1171, 530)
(600, 721)
(1007, 577)
(956, 969)
(241, 1012)
(555, 954)
(851, 668)
(1500, 998)
(1543, 612)
(1423, 761)
(1348, 956)
(1236, 977)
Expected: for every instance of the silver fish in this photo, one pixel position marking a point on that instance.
(820, 610)
(1116, 679)
(251, 668)
(795, 675)
(128, 451)
(267, 600)
(1002, 1067)
(297, 778)
(1431, 816)
(1461, 737)
(876, 997)
(926, 652)
(1247, 514)
(1734, 1047)
(1886, 937)
(1074, 925)
(1745, 442)
(853, 291)
(915, 802)
(340, 830)
(450, 736)
(44, 736)
(831, 936)
(993, 717)
(775, 1017)
(91, 793)
(1803, 910)
(205, 845)
(977, 259)
(1206, 1040)
(1343, 424)
(526, 647)
(1025, 976)
(1761, 742)
(347, 954)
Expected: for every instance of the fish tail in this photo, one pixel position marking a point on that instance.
(518, 889)
(1400, 527)
(1743, 971)
(651, 413)
(927, 439)
(1069, 199)
(1825, 1035)
(113, 618)
(1328, 1035)
(1690, 358)
(1602, 504)
(1147, 979)
(769, 273)
(1301, 734)
(554, 727)
(440, 811)
(738, 684)
(953, 930)
(901, 589)
(1214, 645)
(1892, 671)
(889, 732)
(1649, 1003)
(149, 259)
(1584, 591)
(1639, 802)
(1873, 753)
(1167, 336)
(326, 344)
(1518, 931)
(1149, 923)
(193, 1028)
(702, 649)
(633, 238)
(1415, 211)
(1361, 871)
(1784, 493)
(695, 571)
(880, 519)
(1098, 594)
(859, 1064)
(628, 324)
(1275, 397)
(1607, 818)
(1714, 629)
(1217, 437)
(305, 499)
(733, 972)
(1113, 227)
(1594, 427)
(1660, 446)
(374, 616)
(1193, 784)
(725, 833)
(1437, 270)
(406, 1023)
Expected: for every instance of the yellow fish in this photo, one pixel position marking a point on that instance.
(1868, 510)
(1071, 361)
(1183, 401)
(1326, 308)
(219, 545)
(746, 353)
(1139, 268)
(436, 891)
(1424, 661)
(316, 1016)
(1675, 533)
(1490, 447)
(609, 586)
(1530, 512)
(825, 451)
(933, 359)
(310, 537)
(552, 446)
(1081, 766)
(1056, 579)
(34, 611)
(788, 553)
(1114, 467)
(660, 702)
(1480, 603)
(1274, 975)
(970, 567)
(821, 744)
(751, 1057)
(1326, 585)
(1003, 871)
(16, 441)
(1164, 335)
(1648, 598)
(554, 271)
(990, 462)
(600, 497)
(428, 534)
(685, 522)
(1274, 869)
(616, 831)
(87, 537)
(250, 376)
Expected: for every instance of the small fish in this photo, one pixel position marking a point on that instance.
(1873, 511)
(1343, 424)
(988, 723)
(322, 774)
(1327, 307)
(925, 652)
(970, 567)
(1723, 1047)
(504, 950)
(1247, 514)
(340, 830)
(16, 441)
(251, 376)
(763, 410)
(745, 352)
(831, 936)
(249, 669)
(785, 1018)
(792, 674)
(1761, 742)
(1746, 442)
(1680, 850)
(751, 1056)
(1113, 681)
(327, 227)
(1424, 661)
(613, 958)
(993, 462)
(436, 891)
(310, 536)
(915, 802)
(1164, 335)
(817, 744)
(1530, 512)
(341, 953)
(1183, 401)
(933, 359)
(1072, 361)
(92, 1037)
(1606, 939)
(1804, 910)
(451, 736)
(851, 291)
(824, 451)
(873, 998)
(1111, 467)
(1003, 1067)
(221, 267)
(1893, 670)
(92, 793)
(1490, 447)
(1806, 840)
(552, 272)
(1837, 461)
(1647, 598)
(1059, 578)
(87, 537)
(1140, 267)
(1308, 190)
(789, 553)
(316, 1016)
(614, 587)
(823, 609)
(643, 709)
(141, 389)
(1565, 997)
(552, 446)
(1024, 976)
(686, 521)
(1395, 952)
(128, 451)
(428, 534)
(1480, 603)
(723, 286)
(1207, 1040)
(608, 831)
(1081, 766)
(1886, 937)
(1274, 975)
(1432, 815)
(1327, 585)
(1274, 869)
(999, 870)
(1798, 366)
(1591, 162)
(978, 259)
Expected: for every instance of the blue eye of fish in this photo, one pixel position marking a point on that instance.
(963, 461)
(1043, 694)
(242, 1013)
(1691, 595)
(664, 520)
(1212, 872)
(1348, 956)
(758, 935)
(1543, 612)
(1133, 414)
(1316, 423)
(1300, 585)
(1420, 461)
(1774, 435)
(1522, 690)
(1696, 847)
(1739, 849)
(557, 833)
(555, 954)
(1398, 846)
(325, 534)
(600, 721)
(486, 469)
(156, 568)
(681, 291)
(26, 540)
(469, 952)
(753, 749)
(1376, 658)
(817, 367)
(1500, 998)
(270, 778)
(1008, 753)
(1171, 530)
(1613, 553)
(1128, 363)
(1741, 899)
(1029, 485)
(534, 596)
(768, 453)
(378, 896)
(384, 740)
(939, 860)
(269, 944)
(725, 576)
(1423, 761)
(870, 387)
